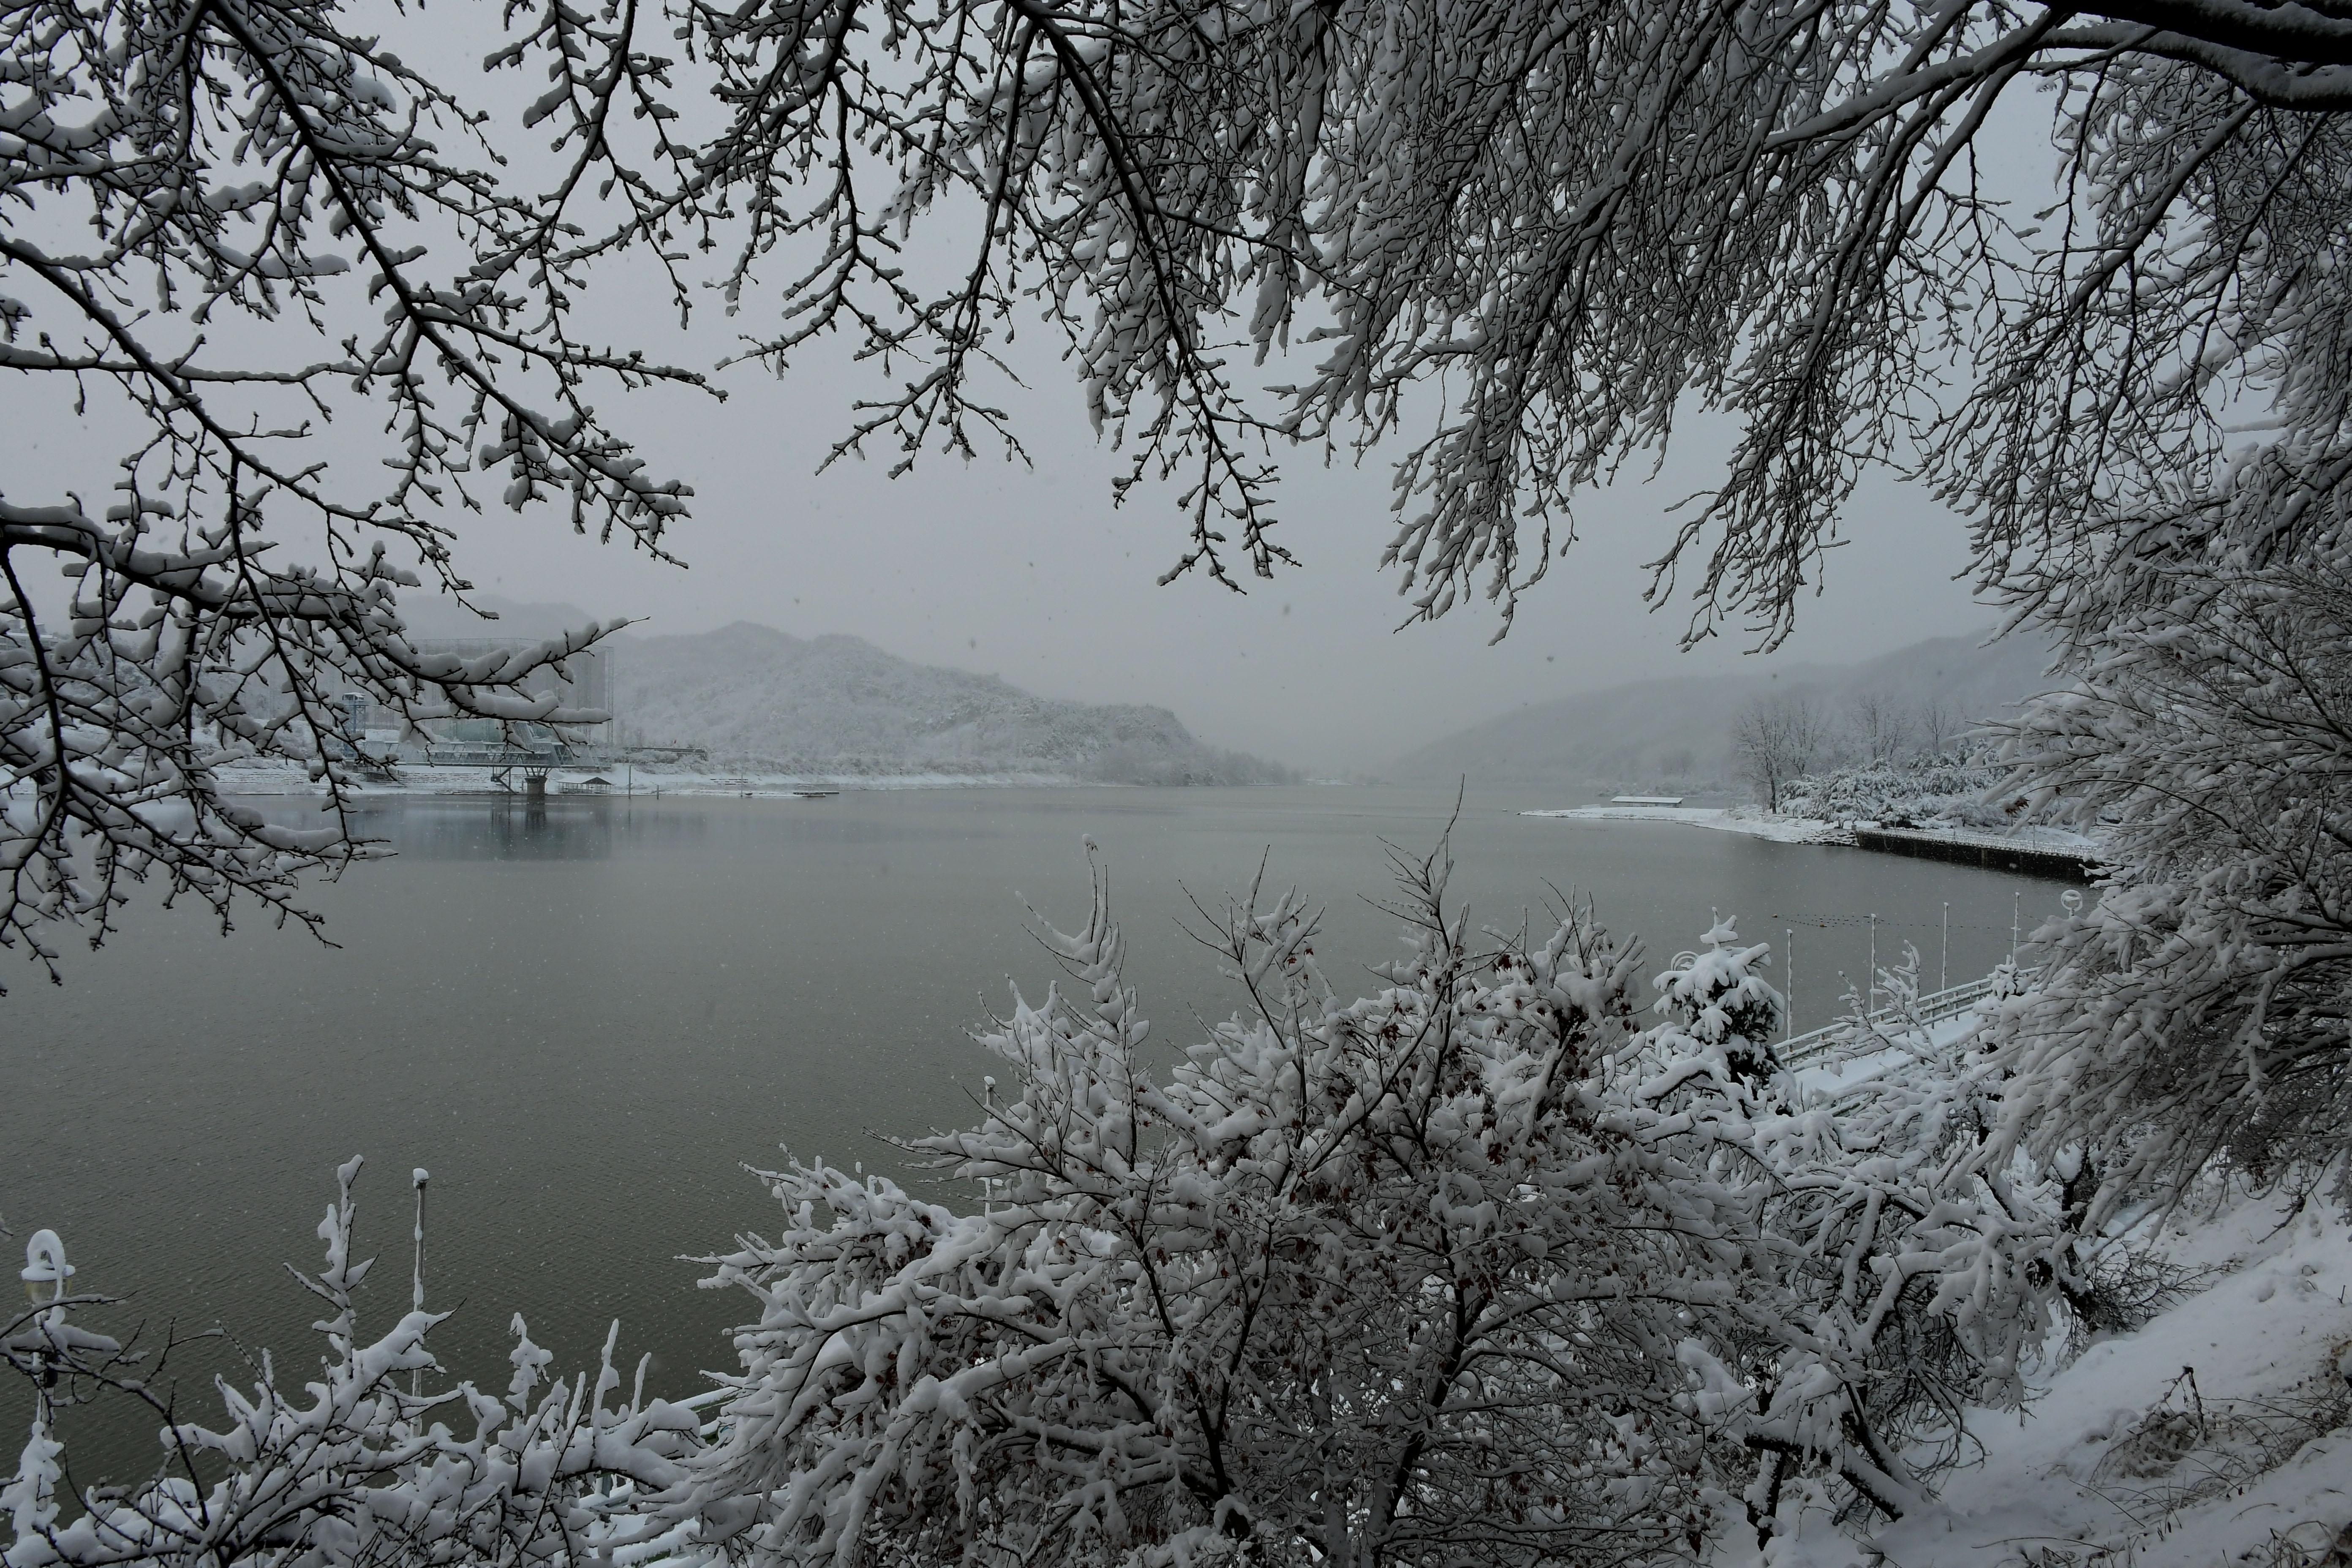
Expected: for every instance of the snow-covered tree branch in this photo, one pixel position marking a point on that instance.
(349, 1467)
(2198, 1013)
(199, 199)
(1474, 1268)
(1518, 236)
(1562, 226)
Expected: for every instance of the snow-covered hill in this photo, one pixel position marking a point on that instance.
(1678, 731)
(837, 705)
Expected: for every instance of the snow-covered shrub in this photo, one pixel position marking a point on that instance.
(1373, 1277)
(1927, 792)
(350, 1467)
(1922, 1280)
(1471, 1269)
(1722, 1013)
(1475, 1269)
(2194, 1015)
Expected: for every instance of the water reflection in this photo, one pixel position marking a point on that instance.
(599, 828)
(508, 829)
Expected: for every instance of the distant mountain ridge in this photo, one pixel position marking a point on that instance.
(1680, 726)
(836, 704)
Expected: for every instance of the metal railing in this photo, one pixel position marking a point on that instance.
(1932, 1008)
(490, 754)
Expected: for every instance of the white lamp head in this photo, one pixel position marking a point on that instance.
(45, 1264)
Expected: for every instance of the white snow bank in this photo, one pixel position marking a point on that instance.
(1780, 828)
(1745, 819)
(2213, 1436)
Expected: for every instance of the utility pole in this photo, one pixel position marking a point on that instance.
(1944, 964)
(2013, 896)
(1789, 1012)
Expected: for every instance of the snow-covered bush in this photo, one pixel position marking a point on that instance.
(1922, 1278)
(1922, 793)
(349, 1467)
(2196, 1014)
(1473, 1269)
(1370, 1279)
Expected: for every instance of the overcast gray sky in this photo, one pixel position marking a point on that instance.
(1031, 574)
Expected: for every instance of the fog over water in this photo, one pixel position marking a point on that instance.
(1033, 576)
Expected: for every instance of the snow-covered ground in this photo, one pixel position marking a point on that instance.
(2218, 1434)
(2214, 1436)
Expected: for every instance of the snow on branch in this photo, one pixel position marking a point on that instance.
(346, 1468)
(2194, 1017)
(1473, 1267)
(1452, 1270)
(237, 180)
(1523, 237)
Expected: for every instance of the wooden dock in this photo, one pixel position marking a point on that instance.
(1987, 850)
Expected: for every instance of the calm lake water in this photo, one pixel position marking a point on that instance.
(586, 1021)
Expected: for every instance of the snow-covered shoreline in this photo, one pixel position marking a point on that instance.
(1745, 819)
(1757, 823)
(626, 783)
(2213, 1433)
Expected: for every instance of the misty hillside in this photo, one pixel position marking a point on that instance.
(1679, 727)
(838, 704)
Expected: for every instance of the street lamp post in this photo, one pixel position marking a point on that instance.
(45, 1265)
(416, 1277)
(1789, 1007)
(1870, 994)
